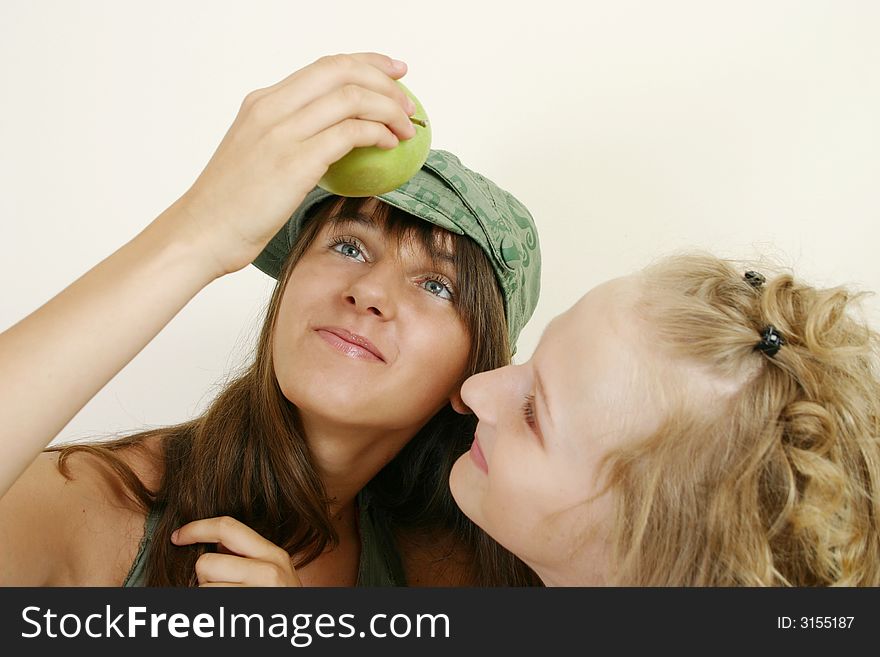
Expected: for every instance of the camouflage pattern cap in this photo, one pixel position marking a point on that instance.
(448, 194)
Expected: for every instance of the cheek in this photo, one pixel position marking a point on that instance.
(441, 349)
(516, 491)
(508, 502)
(290, 331)
(490, 506)
(528, 489)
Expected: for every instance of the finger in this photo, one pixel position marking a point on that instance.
(213, 567)
(232, 534)
(369, 70)
(356, 102)
(392, 68)
(333, 143)
(223, 584)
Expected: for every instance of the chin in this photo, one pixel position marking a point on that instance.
(464, 486)
(325, 391)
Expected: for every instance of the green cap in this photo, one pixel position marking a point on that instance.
(446, 193)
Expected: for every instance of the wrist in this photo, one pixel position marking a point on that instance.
(189, 241)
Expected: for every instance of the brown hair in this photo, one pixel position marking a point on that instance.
(246, 455)
(779, 482)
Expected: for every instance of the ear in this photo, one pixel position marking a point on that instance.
(458, 404)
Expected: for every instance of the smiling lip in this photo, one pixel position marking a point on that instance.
(351, 344)
(477, 455)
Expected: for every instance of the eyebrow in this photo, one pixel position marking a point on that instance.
(446, 256)
(364, 219)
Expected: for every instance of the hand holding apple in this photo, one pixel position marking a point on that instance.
(280, 144)
(370, 171)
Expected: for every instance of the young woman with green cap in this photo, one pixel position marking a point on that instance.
(326, 461)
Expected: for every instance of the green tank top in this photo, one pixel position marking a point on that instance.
(379, 564)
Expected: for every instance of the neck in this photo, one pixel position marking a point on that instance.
(583, 564)
(347, 457)
(342, 517)
(568, 576)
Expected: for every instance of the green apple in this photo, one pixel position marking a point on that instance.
(371, 171)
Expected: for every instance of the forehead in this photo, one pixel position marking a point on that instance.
(606, 315)
(593, 358)
(403, 228)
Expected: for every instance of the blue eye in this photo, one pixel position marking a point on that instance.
(438, 288)
(349, 248)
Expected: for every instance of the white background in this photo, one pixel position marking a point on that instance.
(630, 130)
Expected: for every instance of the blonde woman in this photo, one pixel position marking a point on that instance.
(693, 424)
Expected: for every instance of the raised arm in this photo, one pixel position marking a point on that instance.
(283, 139)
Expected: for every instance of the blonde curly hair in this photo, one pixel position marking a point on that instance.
(777, 484)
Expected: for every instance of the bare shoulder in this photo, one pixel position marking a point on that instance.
(76, 528)
(435, 559)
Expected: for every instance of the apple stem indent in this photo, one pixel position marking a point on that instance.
(420, 122)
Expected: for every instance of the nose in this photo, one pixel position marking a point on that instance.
(485, 393)
(372, 292)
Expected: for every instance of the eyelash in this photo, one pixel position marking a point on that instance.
(353, 241)
(442, 281)
(528, 411)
